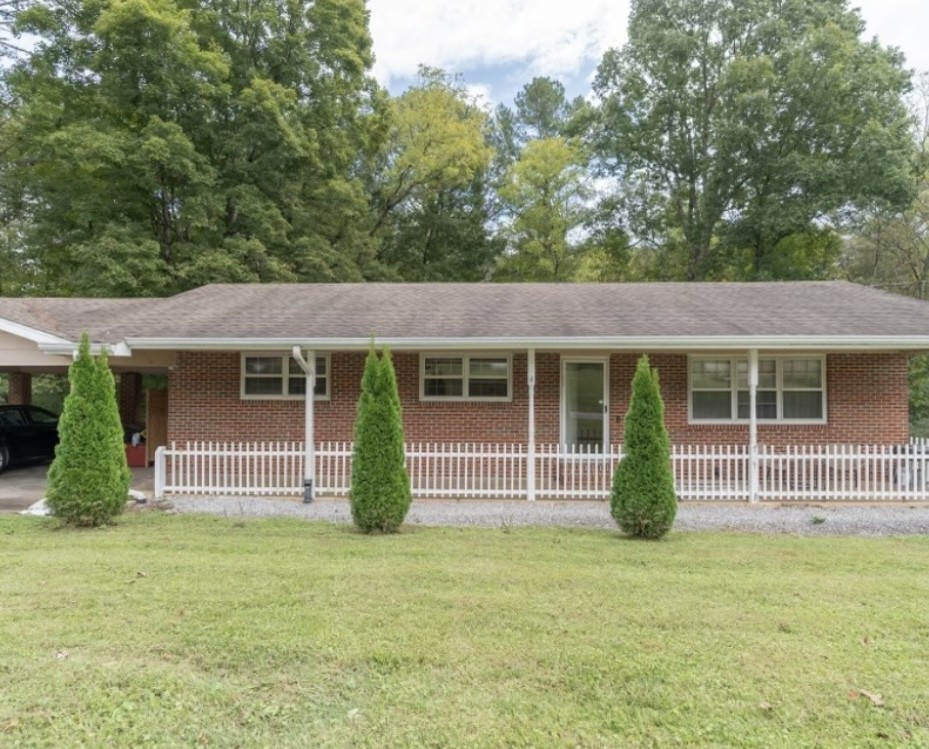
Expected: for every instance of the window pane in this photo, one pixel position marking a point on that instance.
(488, 367)
(487, 388)
(264, 385)
(263, 365)
(439, 388)
(803, 373)
(767, 374)
(295, 368)
(765, 404)
(711, 374)
(321, 390)
(443, 367)
(803, 404)
(297, 386)
(712, 405)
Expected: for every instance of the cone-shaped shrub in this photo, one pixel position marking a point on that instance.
(380, 493)
(88, 482)
(643, 501)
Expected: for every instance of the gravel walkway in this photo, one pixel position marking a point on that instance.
(808, 520)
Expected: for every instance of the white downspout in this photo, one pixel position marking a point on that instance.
(530, 457)
(752, 426)
(308, 365)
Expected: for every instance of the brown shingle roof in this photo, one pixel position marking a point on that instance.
(68, 317)
(491, 310)
(477, 311)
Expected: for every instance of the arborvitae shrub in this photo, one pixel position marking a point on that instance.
(88, 482)
(643, 501)
(380, 492)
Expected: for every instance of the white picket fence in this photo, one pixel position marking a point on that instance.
(466, 471)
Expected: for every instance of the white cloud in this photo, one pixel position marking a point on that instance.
(504, 43)
(899, 23)
(540, 37)
(481, 94)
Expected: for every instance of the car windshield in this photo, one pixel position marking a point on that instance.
(12, 417)
(39, 416)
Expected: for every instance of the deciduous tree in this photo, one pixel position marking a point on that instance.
(547, 194)
(734, 126)
(430, 193)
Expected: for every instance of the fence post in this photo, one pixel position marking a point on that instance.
(752, 426)
(160, 471)
(530, 453)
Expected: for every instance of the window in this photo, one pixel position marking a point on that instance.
(277, 376)
(479, 377)
(789, 389)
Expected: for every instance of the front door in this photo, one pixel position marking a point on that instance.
(584, 404)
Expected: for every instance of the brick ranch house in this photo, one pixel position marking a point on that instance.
(534, 376)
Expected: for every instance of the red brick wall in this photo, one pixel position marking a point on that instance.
(866, 403)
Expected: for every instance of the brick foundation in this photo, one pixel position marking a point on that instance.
(866, 398)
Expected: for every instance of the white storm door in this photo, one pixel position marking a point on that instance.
(585, 404)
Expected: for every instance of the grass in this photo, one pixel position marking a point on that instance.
(196, 631)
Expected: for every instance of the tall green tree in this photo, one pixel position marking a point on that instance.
(643, 501)
(734, 127)
(380, 493)
(161, 144)
(88, 482)
(429, 196)
(547, 194)
(542, 109)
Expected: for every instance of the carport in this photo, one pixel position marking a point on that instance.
(40, 335)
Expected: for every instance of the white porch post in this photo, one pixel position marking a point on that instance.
(752, 426)
(308, 365)
(530, 457)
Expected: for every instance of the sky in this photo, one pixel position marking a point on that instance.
(499, 45)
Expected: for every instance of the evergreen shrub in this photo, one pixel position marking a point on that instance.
(88, 482)
(380, 491)
(643, 501)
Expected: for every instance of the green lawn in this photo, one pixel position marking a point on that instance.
(195, 631)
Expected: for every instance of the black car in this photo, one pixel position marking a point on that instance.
(26, 433)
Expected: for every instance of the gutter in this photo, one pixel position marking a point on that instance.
(628, 343)
(67, 348)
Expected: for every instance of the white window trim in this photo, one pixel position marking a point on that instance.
(465, 375)
(779, 385)
(285, 376)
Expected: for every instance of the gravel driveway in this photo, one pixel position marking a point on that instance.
(811, 520)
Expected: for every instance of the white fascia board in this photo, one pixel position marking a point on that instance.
(121, 349)
(39, 337)
(627, 343)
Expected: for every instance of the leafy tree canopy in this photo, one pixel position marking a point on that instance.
(735, 126)
(159, 145)
(430, 191)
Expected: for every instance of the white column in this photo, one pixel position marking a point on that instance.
(752, 425)
(308, 365)
(530, 458)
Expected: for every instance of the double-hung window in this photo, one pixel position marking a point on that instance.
(790, 389)
(278, 377)
(483, 377)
